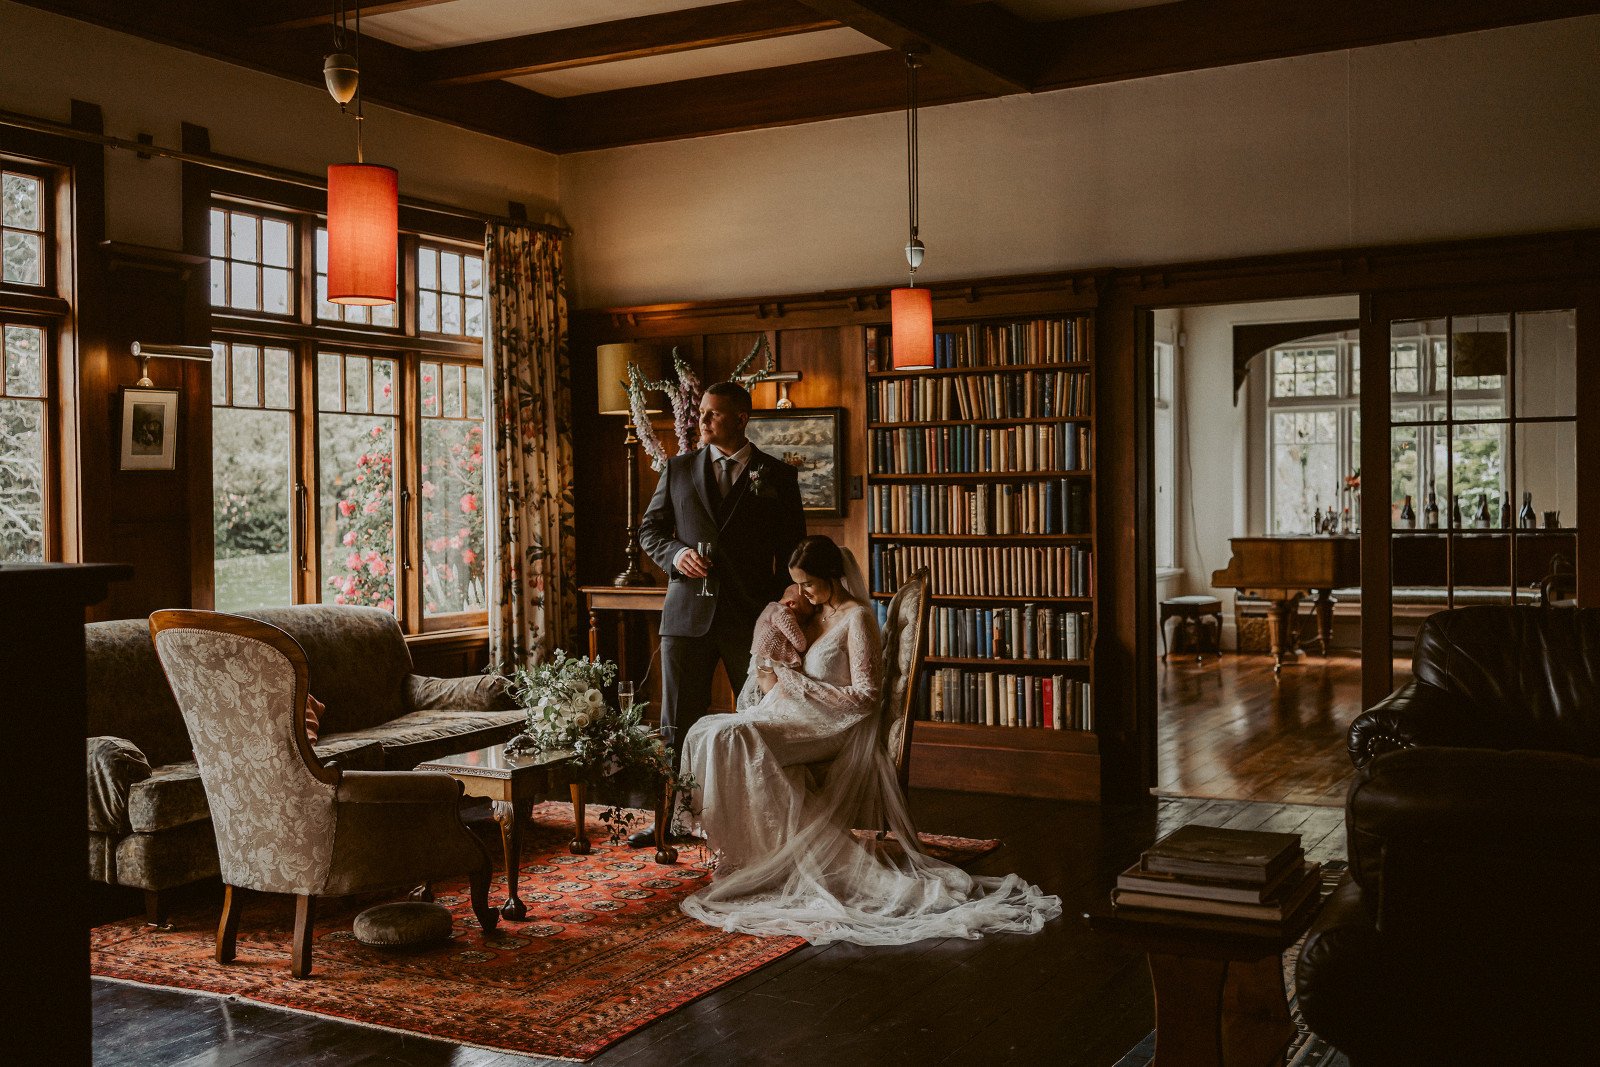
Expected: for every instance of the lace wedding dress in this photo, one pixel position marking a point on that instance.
(788, 863)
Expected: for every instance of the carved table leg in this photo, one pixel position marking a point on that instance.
(1281, 629)
(580, 831)
(1325, 603)
(594, 635)
(512, 815)
(665, 853)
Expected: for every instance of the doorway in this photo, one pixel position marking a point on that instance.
(1255, 436)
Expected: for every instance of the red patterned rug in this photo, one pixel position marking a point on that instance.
(604, 951)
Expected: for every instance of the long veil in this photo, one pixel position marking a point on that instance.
(815, 878)
(855, 583)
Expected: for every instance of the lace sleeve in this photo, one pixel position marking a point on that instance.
(861, 695)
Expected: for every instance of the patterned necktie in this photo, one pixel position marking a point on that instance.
(725, 475)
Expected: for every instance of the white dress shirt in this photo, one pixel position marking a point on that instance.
(741, 460)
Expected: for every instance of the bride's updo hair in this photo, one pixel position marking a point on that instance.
(819, 557)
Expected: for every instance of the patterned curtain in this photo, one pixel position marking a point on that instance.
(525, 351)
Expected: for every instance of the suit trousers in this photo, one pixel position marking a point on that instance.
(688, 665)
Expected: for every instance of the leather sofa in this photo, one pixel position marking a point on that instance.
(1468, 929)
(149, 823)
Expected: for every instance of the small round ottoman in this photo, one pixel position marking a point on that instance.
(405, 924)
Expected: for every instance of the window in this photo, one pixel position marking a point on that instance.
(23, 235)
(1313, 432)
(252, 474)
(348, 441)
(23, 457)
(29, 312)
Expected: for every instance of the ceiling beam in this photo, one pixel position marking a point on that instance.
(749, 100)
(298, 14)
(1199, 34)
(388, 76)
(608, 42)
(990, 49)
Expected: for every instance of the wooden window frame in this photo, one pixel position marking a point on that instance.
(49, 306)
(305, 335)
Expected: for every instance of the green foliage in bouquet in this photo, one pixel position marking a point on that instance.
(567, 713)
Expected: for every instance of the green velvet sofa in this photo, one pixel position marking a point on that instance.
(149, 826)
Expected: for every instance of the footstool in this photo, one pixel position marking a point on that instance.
(1189, 610)
(404, 924)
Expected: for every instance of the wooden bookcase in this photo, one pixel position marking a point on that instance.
(982, 468)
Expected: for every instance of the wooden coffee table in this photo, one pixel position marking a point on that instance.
(1220, 997)
(513, 783)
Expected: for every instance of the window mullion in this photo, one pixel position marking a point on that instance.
(408, 533)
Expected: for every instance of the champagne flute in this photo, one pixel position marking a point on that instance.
(625, 697)
(704, 551)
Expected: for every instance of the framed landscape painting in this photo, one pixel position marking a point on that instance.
(808, 439)
(149, 429)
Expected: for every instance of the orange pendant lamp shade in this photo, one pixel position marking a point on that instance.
(911, 318)
(363, 233)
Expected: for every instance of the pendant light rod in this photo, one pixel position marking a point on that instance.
(914, 247)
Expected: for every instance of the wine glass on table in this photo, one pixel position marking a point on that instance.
(704, 550)
(624, 697)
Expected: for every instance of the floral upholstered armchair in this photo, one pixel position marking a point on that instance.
(284, 822)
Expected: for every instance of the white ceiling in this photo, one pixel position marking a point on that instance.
(701, 63)
(471, 21)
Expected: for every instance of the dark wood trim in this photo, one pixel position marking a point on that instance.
(1377, 676)
(609, 42)
(990, 50)
(388, 74)
(1201, 34)
(864, 84)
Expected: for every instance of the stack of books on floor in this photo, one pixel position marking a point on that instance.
(1213, 873)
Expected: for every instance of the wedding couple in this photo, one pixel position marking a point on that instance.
(787, 860)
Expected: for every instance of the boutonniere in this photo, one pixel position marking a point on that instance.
(761, 482)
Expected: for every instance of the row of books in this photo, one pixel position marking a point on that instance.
(1029, 631)
(992, 345)
(970, 449)
(987, 570)
(1217, 873)
(1031, 394)
(1052, 506)
(996, 698)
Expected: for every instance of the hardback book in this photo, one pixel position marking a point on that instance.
(1222, 854)
(1138, 880)
(1288, 900)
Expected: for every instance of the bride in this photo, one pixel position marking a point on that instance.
(788, 863)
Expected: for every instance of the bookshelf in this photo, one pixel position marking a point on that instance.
(982, 469)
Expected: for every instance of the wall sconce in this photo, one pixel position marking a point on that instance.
(783, 381)
(145, 353)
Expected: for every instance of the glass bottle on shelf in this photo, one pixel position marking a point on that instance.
(1480, 520)
(1346, 524)
(1505, 511)
(1526, 518)
(1408, 515)
(1430, 514)
(1455, 513)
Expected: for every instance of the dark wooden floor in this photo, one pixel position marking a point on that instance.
(1231, 729)
(1062, 997)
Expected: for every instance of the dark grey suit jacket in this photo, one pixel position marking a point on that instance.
(754, 534)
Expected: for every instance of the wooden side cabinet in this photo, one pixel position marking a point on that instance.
(46, 845)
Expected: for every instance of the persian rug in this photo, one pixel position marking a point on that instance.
(603, 952)
(1305, 1049)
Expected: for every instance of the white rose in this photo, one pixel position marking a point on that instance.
(594, 698)
(580, 720)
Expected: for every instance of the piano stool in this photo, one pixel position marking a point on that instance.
(1190, 611)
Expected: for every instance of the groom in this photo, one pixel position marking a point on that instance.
(746, 504)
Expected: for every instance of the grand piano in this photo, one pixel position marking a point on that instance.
(1287, 570)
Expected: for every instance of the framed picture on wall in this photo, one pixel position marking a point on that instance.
(149, 429)
(809, 439)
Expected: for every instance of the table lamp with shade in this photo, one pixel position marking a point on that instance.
(611, 372)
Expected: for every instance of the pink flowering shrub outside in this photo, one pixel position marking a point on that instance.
(452, 517)
(365, 526)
